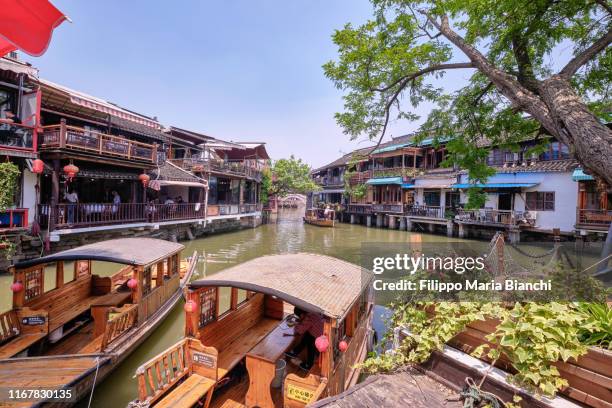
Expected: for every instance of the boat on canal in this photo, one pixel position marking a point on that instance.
(69, 327)
(239, 327)
(314, 216)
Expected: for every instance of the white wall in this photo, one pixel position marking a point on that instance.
(29, 193)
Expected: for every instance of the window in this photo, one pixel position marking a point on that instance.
(540, 201)
(225, 300)
(555, 151)
(33, 283)
(208, 304)
(432, 198)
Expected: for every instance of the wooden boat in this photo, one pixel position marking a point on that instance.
(238, 326)
(313, 217)
(69, 332)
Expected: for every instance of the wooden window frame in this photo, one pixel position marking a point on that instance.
(540, 201)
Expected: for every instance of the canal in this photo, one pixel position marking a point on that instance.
(217, 252)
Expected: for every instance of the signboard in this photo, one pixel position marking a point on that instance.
(34, 320)
(299, 394)
(207, 360)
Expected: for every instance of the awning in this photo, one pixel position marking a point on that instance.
(495, 185)
(434, 182)
(385, 180)
(578, 175)
(158, 184)
(406, 185)
(333, 191)
(28, 25)
(391, 148)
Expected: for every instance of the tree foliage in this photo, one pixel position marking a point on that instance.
(291, 176)
(518, 84)
(9, 175)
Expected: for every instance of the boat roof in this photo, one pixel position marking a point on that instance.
(314, 283)
(128, 251)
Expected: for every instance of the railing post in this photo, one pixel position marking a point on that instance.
(154, 153)
(62, 133)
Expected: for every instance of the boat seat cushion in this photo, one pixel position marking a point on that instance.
(188, 393)
(18, 344)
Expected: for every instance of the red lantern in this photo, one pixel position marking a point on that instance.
(190, 306)
(144, 179)
(342, 346)
(70, 171)
(16, 287)
(322, 343)
(132, 283)
(38, 166)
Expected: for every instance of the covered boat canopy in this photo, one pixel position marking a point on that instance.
(314, 283)
(128, 251)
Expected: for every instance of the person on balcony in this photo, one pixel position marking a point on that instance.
(72, 198)
(116, 201)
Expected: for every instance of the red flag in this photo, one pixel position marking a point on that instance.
(27, 25)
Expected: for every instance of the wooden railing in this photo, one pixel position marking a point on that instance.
(233, 209)
(90, 214)
(160, 373)
(388, 208)
(359, 209)
(394, 172)
(425, 211)
(71, 137)
(17, 136)
(9, 326)
(360, 177)
(490, 216)
(241, 168)
(119, 324)
(155, 299)
(598, 219)
(173, 212)
(14, 218)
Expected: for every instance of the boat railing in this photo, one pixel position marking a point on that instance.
(118, 324)
(9, 326)
(163, 371)
(154, 300)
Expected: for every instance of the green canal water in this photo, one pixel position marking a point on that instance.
(287, 235)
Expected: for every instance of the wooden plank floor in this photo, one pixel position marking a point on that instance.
(73, 343)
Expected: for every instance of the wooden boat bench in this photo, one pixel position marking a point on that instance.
(16, 338)
(188, 393)
(19, 344)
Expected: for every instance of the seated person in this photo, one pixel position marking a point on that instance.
(310, 327)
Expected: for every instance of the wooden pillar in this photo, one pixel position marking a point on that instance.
(59, 274)
(18, 297)
(192, 319)
(160, 274)
(54, 194)
(241, 193)
(414, 159)
(138, 275)
(327, 357)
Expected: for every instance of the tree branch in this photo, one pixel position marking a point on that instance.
(585, 56)
(433, 68)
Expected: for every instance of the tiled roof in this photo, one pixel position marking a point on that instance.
(342, 161)
(541, 166)
(169, 171)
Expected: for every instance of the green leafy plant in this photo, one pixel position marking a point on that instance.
(9, 175)
(7, 248)
(598, 332)
(266, 184)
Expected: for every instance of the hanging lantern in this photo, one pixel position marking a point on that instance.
(132, 283)
(17, 287)
(190, 306)
(322, 343)
(70, 171)
(38, 166)
(144, 179)
(342, 346)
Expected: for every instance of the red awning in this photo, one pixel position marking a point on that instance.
(27, 25)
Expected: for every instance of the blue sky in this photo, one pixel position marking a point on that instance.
(239, 70)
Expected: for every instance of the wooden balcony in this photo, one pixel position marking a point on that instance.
(425, 211)
(598, 220)
(240, 168)
(360, 177)
(394, 172)
(71, 138)
(83, 215)
(359, 209)
(16, 136)
(388, 208)
(491, 217)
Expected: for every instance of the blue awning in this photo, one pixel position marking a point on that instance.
(494, 185)
(390, 148)
(406, 185)
(385, 180)
(578, 175)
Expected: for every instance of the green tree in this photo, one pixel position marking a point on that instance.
(519, 83)
(291, 176)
